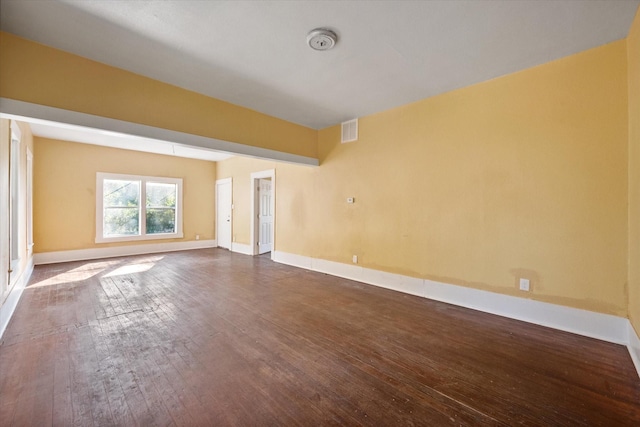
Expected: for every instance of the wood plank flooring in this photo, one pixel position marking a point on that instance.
(209, 337)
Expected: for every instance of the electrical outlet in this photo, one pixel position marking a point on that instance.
(197, 237)
(355, 259)
(350, 199)
(524, 285)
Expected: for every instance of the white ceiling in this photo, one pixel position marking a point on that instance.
(254, 53)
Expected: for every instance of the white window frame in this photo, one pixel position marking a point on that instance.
(30, 243)
(15, 199)
(101, 176)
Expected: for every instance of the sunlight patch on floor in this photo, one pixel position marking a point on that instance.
(83, 272)
(140, 266)
(91, 269)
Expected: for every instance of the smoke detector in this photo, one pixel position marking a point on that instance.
(321, 39)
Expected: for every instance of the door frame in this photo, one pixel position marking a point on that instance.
(223, 182)
(255, 209)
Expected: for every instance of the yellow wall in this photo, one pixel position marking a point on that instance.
(521, 176)
(42, 75)
(633, 58)
(65, 185)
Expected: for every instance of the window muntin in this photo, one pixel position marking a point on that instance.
(131, 207)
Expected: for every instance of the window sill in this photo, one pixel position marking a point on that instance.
(139, 238)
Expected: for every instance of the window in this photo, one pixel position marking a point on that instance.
(131, 207)
(14, 201)
(29, 201)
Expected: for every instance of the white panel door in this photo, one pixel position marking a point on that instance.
(265, 224)
(223, 213)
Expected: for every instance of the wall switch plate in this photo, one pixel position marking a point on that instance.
(524, 285)
(355, 259)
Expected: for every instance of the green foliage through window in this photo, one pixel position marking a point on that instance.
(161, 208)
(122, 210)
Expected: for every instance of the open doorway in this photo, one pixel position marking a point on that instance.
(263, 196)
(223, 212)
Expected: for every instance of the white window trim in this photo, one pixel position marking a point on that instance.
(101, 176)
(30, 243)
(14, 203)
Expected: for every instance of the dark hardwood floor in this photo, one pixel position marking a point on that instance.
(209, 337)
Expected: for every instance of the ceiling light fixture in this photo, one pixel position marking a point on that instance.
(321, 39)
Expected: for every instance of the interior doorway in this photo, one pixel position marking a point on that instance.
(223, 212)
(265, 215)
(263, 212)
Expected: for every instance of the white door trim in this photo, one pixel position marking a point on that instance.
(255, 208)
(222, 182)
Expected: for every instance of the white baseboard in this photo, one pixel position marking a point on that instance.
(348, 271)
(395, 282)
(9, 306)
(605, 327)
(292, 259)
(634, 347)
(241, 248)
(117, 251)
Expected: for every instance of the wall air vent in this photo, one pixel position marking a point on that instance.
(349, 131)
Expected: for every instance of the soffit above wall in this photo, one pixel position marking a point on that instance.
(85, 135)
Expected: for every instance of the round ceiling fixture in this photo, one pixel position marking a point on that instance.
(321, 39)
